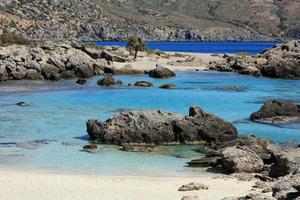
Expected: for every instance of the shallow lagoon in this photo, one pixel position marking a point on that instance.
(59, 110)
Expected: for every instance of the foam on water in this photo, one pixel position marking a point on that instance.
(58, 112)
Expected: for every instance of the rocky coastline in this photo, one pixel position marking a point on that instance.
(281, 61)
(56, 61)
(276, 169)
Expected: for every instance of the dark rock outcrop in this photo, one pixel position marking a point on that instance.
(161, 72)
(277, 112)
(108, 81)
(159, 127)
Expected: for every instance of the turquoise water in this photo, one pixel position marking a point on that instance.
(203, 47)
(58, 112)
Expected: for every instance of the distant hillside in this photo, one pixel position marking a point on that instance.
(152, 19)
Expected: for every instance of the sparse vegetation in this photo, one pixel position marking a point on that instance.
(136, 44)
(12, 38)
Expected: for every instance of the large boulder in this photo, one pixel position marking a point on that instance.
(159, 127)
(199, 124)
(161, 72)
(263, 147)
(277, 112)
(80, 63)
(241, 159)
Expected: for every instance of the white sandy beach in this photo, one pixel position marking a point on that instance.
(24, 185)
(184, 62)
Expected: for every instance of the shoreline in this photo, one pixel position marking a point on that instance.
(37, 185)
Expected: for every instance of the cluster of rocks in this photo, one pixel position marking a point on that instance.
(281, 61)
(56, 61)
(276, 168)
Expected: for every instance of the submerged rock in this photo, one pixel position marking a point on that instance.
(205, 162)
(276, 112)
(168, 86)
(143, 84)
(159, 127)
(192, 186)
(161, 72)
(140, 148)
(22, 104)
(91, 148)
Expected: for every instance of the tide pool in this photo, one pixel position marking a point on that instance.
(58, 111)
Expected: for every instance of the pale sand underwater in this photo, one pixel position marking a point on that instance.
(24, 185)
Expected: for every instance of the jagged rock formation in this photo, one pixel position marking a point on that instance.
(158, 127)
(152, 20)
(281, 61)
(51, 61)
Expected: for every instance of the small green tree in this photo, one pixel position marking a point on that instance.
(135, 44)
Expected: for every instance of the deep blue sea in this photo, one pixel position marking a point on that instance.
(58, 112)
(203, 47)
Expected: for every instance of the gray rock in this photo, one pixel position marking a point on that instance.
(190, 197)
(241, 159)
(161, 72)
(206, 126)
(192, 186)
